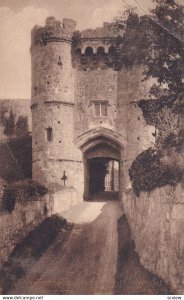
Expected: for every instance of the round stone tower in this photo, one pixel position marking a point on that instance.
(54, 154)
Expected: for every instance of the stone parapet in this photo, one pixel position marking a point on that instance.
(107, 31)
(53, 31)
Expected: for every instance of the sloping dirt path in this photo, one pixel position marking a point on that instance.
(87, 263)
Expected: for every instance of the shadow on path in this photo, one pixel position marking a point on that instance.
(29, 251)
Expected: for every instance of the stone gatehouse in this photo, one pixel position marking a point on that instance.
(85, 111)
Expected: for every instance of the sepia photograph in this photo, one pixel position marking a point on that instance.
(91, 148)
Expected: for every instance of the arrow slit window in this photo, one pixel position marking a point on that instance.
(49, 134)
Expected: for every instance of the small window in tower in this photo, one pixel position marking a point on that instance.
(59, 61)
(49, 134)
(101, 108)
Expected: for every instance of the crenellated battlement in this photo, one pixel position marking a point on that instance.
(53, 31)
(105, 32)
(90, 48)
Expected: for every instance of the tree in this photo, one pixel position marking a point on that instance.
(164, 57)
(134, 37)
(22, 128)
(156, 41)
(3, 111)
(9, 124)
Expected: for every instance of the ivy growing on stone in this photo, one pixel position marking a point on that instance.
(21, 191)
(149, 171)
(8, 199)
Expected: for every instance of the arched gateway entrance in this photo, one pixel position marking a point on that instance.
(103, 181)
(102, 165)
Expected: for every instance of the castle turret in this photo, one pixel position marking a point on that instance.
(52, 103)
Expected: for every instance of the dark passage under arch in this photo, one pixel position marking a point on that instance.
(101, 171)
(103, 176)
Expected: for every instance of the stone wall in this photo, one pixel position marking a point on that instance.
(28, 214)
(64, 200)
(16, 225)
(156, 220)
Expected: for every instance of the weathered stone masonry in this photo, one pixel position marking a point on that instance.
(71, 73)
(157, 220)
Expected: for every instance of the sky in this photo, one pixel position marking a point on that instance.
(17, 18)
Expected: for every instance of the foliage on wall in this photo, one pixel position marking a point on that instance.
(8, 199)
(22, 191)
(29, 187)
(151, 170)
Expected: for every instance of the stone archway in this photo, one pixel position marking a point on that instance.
(100, 147)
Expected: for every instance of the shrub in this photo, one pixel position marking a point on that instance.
(29, 187)
(22, 190)
(148, 171)
(22, 127)
(8, 199)
(175, 141)
(9, 124)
